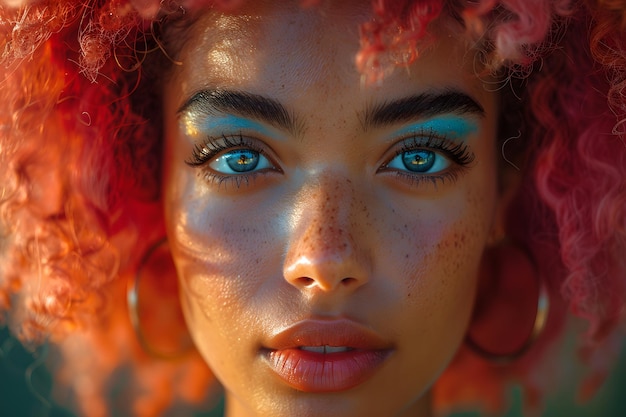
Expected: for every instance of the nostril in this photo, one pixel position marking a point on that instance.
(348, 281)
(305, 281)
(324, 283)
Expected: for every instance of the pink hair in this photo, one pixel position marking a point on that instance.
(79, 170)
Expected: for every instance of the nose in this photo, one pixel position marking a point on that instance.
(328, 249)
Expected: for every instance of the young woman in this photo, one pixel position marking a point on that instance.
(383, 209)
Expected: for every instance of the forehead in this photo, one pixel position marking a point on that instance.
(239, 47)
(293, 51)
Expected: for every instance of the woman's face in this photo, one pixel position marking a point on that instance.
(327, 235)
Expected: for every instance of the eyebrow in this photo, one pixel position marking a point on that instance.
(271, 111)
(243, 104)
(420, 106)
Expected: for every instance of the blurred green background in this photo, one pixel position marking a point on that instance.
(25, 390)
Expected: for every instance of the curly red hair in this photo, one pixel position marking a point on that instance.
(80, 164)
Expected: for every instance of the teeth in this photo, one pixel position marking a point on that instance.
(325, 349)
(335, 349)
(316, 349)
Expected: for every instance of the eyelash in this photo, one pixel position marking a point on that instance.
(213, 146)
(459, 154)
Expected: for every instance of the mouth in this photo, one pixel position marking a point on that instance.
(326, 356)
(325, 349)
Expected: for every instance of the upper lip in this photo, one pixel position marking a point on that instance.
(339, 332)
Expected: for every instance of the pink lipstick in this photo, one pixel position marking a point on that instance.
(326, 356)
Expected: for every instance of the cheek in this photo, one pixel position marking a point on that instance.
(440, 245)
(436, 253)
(221, 252)
(444, 284)
(215, 261)
(216, 258)
(439, 281)
(438, 275)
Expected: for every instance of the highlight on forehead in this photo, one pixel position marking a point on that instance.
(233, 50)
(222, 39)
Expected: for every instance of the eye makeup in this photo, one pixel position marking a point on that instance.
(443, 138)
(449, 127)
(194, 125)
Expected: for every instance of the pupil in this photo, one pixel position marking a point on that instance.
(243, 160)
(419, 160)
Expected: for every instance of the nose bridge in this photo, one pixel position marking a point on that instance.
(330, 220)
(322, 250)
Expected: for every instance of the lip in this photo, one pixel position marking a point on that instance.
(310, 371)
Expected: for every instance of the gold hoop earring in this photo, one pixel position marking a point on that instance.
(174, 341)
(542, 310)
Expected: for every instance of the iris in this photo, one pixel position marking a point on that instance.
(242, 160)
(420, 160)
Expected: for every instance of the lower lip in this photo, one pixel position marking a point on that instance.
(331, 372)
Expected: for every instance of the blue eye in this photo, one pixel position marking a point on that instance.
(421, 161)
(239, 161)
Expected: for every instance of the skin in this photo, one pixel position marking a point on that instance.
(329, 230)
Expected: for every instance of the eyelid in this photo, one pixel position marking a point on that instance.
(211, 147)
(457, 150)
(450, 127)
(196, 124)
